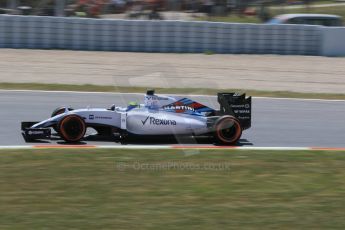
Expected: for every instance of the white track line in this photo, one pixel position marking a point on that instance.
(300, 99)
(16, 147)
(142, 94)
(61, 91)
(133, 147)
(197, 147)
(172, 147)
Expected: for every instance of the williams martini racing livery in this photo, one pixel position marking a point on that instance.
(159, 116)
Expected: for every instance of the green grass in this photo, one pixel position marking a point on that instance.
(339, 10)
(231, 18)
(98, 88)
(85, 189)
(319, 2)
(314, 2)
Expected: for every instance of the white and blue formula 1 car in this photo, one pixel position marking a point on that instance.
(159, 116)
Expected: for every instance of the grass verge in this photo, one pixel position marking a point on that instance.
(98, 88)
(232, 18)
(337, 10)
(127, 189)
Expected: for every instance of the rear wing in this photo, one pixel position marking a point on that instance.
(236, 105)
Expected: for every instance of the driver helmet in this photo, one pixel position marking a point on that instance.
(132, 105)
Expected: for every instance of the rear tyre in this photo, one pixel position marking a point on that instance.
(58, 111)
(228, 130)
(72, 128)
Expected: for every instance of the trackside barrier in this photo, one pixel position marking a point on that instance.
(333, 41)
(35, 32)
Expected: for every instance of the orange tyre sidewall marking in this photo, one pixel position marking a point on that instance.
(236, 136)
(64, 134)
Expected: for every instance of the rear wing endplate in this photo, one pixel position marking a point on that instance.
(236, 105)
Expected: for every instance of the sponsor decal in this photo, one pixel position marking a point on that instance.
(156, 98)
(241, 111)
(157, 121)
(179, 107)
(92, 117)
(144, 121)
(246, 106)
(187, 105)
(105, 118)
(36, 132)
(244, 118)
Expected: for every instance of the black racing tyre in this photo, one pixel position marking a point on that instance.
(72, 128)
(58, 111)
(228, 130)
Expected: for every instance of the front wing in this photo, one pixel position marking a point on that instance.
(34, 133)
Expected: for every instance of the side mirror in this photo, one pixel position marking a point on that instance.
(150, 92)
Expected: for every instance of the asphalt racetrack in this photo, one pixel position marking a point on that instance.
(275, 122)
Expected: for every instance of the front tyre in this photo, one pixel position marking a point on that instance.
(228, 130)
(60, 110)
(72, 128)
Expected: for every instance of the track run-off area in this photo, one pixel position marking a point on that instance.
(291, 124)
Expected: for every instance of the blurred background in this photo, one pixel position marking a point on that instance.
(244, 11)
